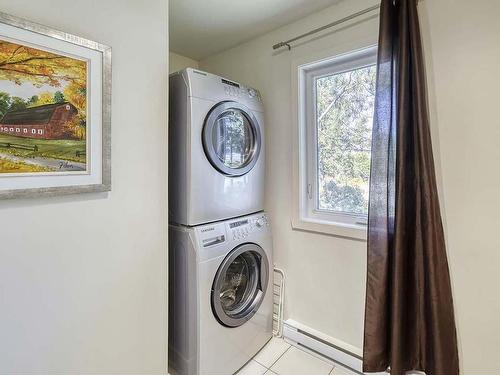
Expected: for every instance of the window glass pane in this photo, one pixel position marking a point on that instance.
(344, 117)
(233, 139)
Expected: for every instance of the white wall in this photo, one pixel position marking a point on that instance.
(326, 275)
(83, 278)
(461, 43)
(178, 62)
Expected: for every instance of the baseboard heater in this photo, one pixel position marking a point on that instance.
(337, 351)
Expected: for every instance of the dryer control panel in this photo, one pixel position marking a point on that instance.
(242, 92)
(240, 229)
(208, 86)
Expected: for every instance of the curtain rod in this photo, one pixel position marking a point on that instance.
(319, 29)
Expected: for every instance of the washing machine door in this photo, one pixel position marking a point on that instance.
(240, 285)
(232, 138)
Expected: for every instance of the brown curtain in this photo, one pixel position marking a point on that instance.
(409, 319)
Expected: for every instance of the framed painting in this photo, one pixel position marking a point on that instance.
(55, 111)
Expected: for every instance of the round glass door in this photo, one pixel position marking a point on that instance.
(231, 138)
(240, 285)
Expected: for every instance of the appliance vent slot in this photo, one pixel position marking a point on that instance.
(230, 83)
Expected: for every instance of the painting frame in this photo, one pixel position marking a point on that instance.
(104, 183)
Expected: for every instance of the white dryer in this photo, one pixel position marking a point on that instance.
(220, 295)
(216, 148)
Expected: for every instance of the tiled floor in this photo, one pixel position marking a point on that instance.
(280, 358)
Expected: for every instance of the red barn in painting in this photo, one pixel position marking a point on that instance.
(44, 121)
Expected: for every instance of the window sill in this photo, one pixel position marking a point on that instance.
(352, 231)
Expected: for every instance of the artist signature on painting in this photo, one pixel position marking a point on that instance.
(66, 165)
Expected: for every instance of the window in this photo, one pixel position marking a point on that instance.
(25, 130)
(40, 131)
(336, 103)
(18, 130)
(33, 131)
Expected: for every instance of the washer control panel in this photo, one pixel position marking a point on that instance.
(211, 235)
(240, 229)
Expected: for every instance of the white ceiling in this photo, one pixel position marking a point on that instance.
(200, 28)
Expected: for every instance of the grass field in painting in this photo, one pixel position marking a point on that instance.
(47, 148)
(7, 166)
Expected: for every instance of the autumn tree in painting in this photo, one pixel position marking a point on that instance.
(21, 64)
(4, 103)
(44, 98)
(59, 97)
(17, 103)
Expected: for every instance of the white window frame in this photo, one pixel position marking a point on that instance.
(306, 216)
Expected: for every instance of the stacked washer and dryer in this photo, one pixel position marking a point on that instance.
(220, 247)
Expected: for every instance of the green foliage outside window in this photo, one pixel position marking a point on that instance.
(344, 117)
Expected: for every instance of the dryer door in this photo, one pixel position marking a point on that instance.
(240, 285)
(232, 138)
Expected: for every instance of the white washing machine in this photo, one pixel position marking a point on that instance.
(220, 295)
(216, 148)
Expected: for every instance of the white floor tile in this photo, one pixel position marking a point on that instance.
(271, 352)
(252, 368)
(297, 362)
(339, 370)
